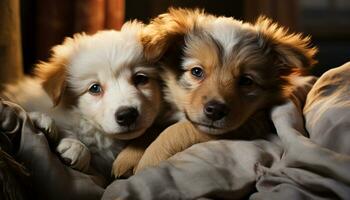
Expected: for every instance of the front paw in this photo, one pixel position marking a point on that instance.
(126, 162)
(172, 140)
(46, 124)
(74, 153)
(152, 157)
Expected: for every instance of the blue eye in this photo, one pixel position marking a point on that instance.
(197, 72)
(95, 89)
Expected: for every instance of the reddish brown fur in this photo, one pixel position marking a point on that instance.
(53, 74)
(53, 79)
(267, 50)
(264, 50)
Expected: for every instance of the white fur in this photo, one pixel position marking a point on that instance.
(110, 58)
(226, 31)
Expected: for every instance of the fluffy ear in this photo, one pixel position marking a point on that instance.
(167, 29)
(53, 76)
(53, 73)
(293, 50)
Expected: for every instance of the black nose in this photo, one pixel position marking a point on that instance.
(215, 110)
(125, 116)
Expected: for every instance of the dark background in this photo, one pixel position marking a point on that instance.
(327, 21)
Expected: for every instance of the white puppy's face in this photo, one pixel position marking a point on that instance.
(115, 89)
(123, 101)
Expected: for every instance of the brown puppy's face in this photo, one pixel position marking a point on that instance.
(218, 91)
(221, 72)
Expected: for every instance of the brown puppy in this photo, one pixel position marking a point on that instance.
(221, 75)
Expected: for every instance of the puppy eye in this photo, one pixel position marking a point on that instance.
(197, 72)
(95, 89)
(140, 79)
(245, 81)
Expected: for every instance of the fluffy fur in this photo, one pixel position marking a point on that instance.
(244, 68)
(62, 88)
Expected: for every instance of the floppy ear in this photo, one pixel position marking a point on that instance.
(53, 76)
(293, 50)
(167, 29)
(53, 73)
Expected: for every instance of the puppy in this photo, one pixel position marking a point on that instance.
(99, 90)
(221, 75)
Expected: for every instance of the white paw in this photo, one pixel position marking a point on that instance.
(74, 153)
(45, 123)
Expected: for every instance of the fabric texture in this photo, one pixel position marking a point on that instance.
(49, 178)
(305, 160)
(308, 158)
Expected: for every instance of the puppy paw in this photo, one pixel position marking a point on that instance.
(126, 162)
(45, 124)
(152, 157)
(74, 153)
(172, 140)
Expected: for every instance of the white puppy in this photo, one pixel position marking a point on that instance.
(98, 89)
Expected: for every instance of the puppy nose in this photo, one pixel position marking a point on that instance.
(125, 116)
(215, 110)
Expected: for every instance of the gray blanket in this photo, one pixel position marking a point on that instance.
(49, 178)
(308, 158)
(297, 163)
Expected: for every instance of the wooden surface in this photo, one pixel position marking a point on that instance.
(10, 42)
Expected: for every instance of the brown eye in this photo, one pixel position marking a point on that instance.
(197, 72)
(245, 81)
(140, 79)
(95, 89)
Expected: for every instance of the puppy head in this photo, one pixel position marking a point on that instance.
(219, 71)
(106, 75)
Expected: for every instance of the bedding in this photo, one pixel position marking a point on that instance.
(49, 178)
(308, 158)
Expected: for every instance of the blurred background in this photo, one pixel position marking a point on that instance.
(44, 23)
